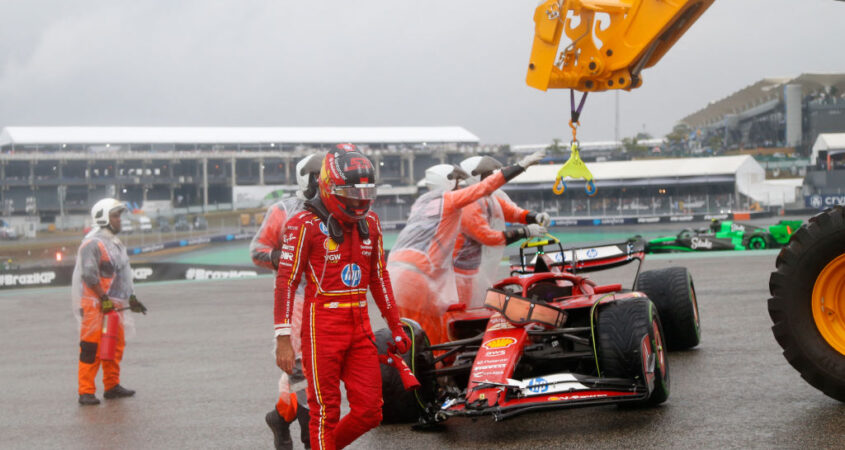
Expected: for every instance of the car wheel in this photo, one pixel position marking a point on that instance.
(631, 345)
(757, 242)
(401, 406)
(808, 302)
(673, 292)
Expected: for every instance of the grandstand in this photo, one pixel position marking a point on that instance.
(49, 171)
(786, 113)
(656, 187)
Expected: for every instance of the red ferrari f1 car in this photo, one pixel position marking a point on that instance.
(549, 337)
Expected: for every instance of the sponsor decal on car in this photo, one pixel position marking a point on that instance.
(697, 242)
(503, 342)
(538, 385)
(592, 253)
(351, 275)
(577, 397)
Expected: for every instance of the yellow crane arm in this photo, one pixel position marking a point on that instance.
(608, 51)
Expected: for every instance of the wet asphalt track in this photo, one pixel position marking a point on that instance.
(202, 365)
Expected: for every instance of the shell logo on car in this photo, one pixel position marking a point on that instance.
(503, 342)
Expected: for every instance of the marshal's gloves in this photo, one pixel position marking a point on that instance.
(533, 230)
(510, 172)
(542, 219)
(106, 304)
(400, 339)
(528, 231)
(136, 306)
(532, 159)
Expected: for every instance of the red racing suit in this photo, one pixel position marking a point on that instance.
(422, 255)
(337, 341)
(482, 225)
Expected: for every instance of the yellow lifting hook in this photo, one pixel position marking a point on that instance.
(574, 168)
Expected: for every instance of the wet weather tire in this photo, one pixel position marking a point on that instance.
(401, 406)
(621, 329)
(808, 302)
(673, 292)
(757, 242)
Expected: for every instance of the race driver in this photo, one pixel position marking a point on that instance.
(265, 249)
(422, 255)
(102, 283)
(480, 244)
(337, 244)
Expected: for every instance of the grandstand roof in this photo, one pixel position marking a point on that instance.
(716, 166)
(228, 135)
(827, 141)
(760, 92)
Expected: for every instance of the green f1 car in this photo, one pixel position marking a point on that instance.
(726, 235)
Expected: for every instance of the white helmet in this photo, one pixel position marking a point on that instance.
(444, 177)
(479, 167)
(103, 208)
(305, 168)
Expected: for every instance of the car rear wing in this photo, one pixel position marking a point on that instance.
(578, 259)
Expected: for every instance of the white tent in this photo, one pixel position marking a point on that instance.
(827, 141)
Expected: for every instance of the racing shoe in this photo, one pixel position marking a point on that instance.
(281, 430)
(118, 392)
(303, 416)
(88, 399)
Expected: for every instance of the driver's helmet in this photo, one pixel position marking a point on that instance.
(347, 183)
(715, 224)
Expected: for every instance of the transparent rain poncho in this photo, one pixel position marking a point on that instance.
(479, 264)
(420, 263)
(101, 258)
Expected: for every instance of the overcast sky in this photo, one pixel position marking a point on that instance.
(371, 63)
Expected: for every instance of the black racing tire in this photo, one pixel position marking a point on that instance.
(673, 292)
(621, 327)
(401, 406)
(815, 248)
(757, 241)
